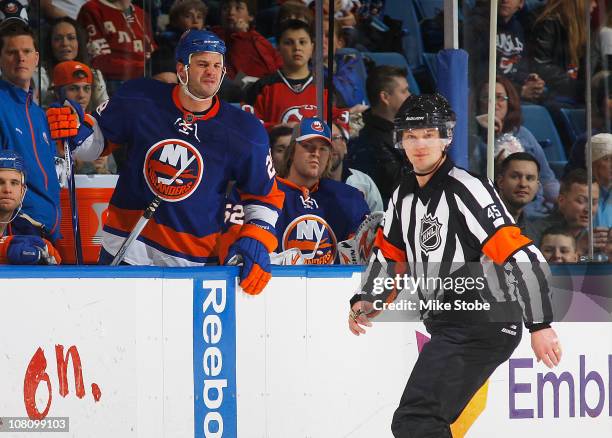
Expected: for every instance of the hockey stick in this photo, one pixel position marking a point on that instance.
(144, 219)
(76, 229)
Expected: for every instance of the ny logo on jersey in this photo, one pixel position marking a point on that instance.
(309, 202)
(173, 169)
(430, 238)
(187, 127)
(313, 236)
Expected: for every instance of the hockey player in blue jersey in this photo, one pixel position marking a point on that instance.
(184, 145)
(318, 212)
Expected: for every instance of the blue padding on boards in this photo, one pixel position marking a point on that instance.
(214, 356)
(452, 81)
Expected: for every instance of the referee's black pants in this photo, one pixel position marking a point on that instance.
(450, 369)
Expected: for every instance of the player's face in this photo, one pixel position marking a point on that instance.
(574, 205)
(295, 47)
(559, 248)
(191, 19)
(423, 148)
(11, 191)
(18, 60)
(339, 147)
(64, 43)
(205, 71)
(79, 92)
(309, 161)
(519, 183)
(278, 150)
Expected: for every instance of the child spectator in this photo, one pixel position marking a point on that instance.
(248, 52)
(20, 240)
(293, 10)
(120, 38)
(289, 94)
(558, 245)
(572, 212)
(73, 80)
(183, 15)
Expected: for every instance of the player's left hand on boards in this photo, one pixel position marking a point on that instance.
(255, 271)
(69, 122)
(358, 317)
(546, 347)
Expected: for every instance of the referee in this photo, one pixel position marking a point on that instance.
(441, 222)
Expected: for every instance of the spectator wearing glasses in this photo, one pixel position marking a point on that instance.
(352, 177)
(508, 129)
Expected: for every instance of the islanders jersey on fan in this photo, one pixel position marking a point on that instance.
(312, 220)
(187, 160)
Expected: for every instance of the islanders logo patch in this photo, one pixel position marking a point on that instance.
(312, 235)
(173, 169)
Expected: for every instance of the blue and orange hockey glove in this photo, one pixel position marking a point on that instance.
(255, 271)
(28, 250)
(69, 122)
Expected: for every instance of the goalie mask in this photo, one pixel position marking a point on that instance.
(425, 111)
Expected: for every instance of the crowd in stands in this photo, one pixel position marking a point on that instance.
(85, 50)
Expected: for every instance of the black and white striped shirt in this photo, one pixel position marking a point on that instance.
(453, 223)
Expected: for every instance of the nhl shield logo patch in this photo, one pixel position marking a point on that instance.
(430, 238)
(173, 169)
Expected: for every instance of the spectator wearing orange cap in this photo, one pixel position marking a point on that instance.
(73, 80)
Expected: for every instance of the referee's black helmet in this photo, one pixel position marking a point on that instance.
(425, 111)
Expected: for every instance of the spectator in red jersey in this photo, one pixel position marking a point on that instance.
(120, 39)
(249, 53)
(289, 94)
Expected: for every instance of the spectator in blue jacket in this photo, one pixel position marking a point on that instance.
(508, 120)
(24, 129)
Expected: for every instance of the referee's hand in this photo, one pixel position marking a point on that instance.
(358, 317)
(546, 347)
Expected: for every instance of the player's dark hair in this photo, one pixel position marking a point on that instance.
(381, 78)
(576, 176)
(16, 28)
(558, 230)
(294, 25)
(82, 54)
(518, 156)
(279, 131)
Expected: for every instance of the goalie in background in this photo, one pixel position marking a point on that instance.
(20, 238)
(318, 212)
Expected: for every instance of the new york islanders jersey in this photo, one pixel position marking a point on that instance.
(187, 160)
(314, 220)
